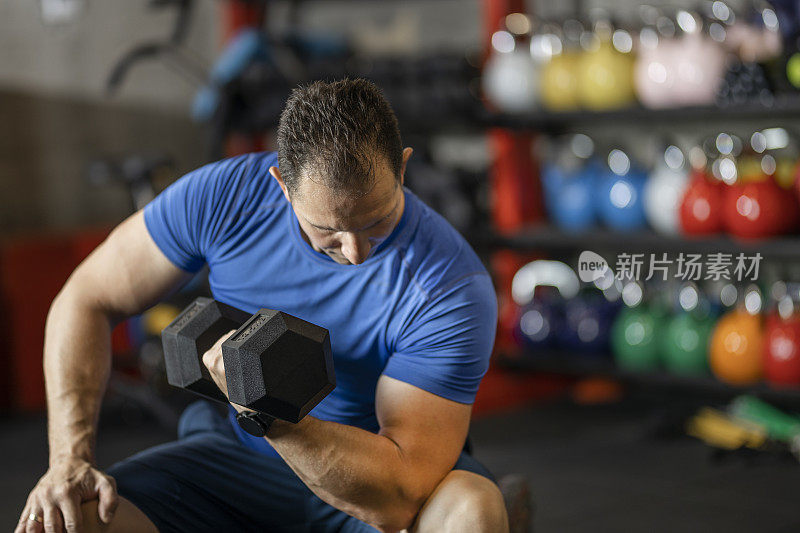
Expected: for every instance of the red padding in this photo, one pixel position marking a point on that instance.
(32, 271)
(503, 391)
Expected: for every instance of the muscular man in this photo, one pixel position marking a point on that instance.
(323, 230)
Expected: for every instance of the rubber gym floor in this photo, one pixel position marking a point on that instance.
(611, 468)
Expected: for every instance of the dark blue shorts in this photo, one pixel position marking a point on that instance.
(208, 481)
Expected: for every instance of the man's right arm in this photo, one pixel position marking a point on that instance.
(124, 276)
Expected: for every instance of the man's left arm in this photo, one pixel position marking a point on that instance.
(382, 479)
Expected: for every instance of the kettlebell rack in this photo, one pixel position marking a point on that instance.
(549, 239)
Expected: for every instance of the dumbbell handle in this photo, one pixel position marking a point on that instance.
(193, 332)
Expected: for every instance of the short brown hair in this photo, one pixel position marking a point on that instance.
(335, 129)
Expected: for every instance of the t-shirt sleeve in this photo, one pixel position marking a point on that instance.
(445, 349)
(187, 219)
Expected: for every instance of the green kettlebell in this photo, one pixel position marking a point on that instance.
(685, 344)
(635, 339)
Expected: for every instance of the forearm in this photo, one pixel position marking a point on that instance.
(361, 473)
(77, 363)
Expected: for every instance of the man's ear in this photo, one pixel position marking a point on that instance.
(406, 156)
(277, 175)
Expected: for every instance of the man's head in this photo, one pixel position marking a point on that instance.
(342, 166)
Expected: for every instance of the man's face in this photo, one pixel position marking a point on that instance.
(348, 227)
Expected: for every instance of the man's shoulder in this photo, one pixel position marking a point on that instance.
(439, 256)
(252, 166)
(242, 179)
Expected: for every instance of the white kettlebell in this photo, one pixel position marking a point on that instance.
(511, 75)
(664, 190)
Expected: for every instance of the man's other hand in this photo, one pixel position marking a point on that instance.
(54, 503)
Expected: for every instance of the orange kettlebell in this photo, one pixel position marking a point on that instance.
(736, 354)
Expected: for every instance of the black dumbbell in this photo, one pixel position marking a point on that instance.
(275, 363)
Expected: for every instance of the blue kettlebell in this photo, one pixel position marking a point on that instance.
(539, 321)
(620, 193)
(587, 323)
(574, 205)
(539, 289)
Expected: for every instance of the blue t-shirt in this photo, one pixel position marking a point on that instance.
(421, 309)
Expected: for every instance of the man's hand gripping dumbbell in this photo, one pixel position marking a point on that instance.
(274, 365)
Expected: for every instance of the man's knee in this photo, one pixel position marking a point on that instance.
(127, 518)
(466, 502)
(479, 505)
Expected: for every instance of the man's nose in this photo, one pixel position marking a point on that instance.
(355, 248)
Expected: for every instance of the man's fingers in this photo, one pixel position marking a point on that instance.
(210, 356)
(70, 509)
(109, 499)
(213, 361)
(52, 518)
(22, 519)
(33, 507)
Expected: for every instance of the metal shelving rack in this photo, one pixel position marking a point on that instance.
(546, 238)
(781, 109)
(603, 366)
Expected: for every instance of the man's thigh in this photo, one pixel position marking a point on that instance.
(208, 481)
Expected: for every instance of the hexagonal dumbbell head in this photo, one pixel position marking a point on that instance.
(189, 336)
(279, 364)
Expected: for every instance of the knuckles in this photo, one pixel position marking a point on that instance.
(61, 492)
(212, 357)
(66, 488)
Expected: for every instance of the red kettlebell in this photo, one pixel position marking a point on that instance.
(754, 209)
(700, 210)
(782, 349)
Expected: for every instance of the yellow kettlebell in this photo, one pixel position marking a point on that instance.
(605, 75)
